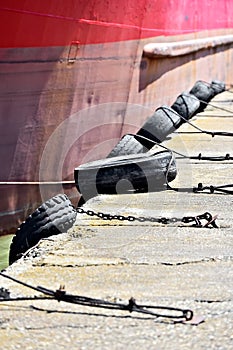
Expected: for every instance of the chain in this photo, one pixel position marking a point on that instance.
(210, 220)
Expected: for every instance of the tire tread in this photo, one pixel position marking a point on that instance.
(53, 217)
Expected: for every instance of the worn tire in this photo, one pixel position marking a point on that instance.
(186, 105)
(218, 86)
(145, 173)
(205, 91)
(127, 145)
(163, 122)
(54, 216)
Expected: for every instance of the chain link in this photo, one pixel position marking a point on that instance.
(161, 220)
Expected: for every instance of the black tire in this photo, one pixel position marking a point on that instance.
(54, 216)
(186, 105)
(162, 123)
(127, 145)
(145, 173)
(205, 92)
(218, 86)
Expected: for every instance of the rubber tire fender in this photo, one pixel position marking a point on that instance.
(163, 122)
(205, 91)
(55, 216)
(186, 105)
(142, 173)
(218, 86)
(127, 145)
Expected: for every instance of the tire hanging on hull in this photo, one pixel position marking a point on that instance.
(126, 162)
(205, 92)
(55, 216)
(140, 173)
(127, 145)
(186, 105)
(163, 122)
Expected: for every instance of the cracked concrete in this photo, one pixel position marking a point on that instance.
(174, 265)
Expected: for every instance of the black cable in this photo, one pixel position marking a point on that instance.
(199, 188)
(132, 306)
(198, 157)
(212, 189)
(209, 103)
(212, 133)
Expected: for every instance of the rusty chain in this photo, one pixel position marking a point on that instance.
(210, 220)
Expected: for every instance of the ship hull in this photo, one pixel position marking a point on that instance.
(70, 100)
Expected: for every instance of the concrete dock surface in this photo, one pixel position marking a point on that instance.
(175, 265)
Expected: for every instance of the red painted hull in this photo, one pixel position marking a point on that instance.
(56, 23)
(74, 79)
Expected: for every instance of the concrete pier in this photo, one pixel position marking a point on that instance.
(167, 265)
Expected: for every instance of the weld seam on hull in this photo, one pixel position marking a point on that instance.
(95, 22)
